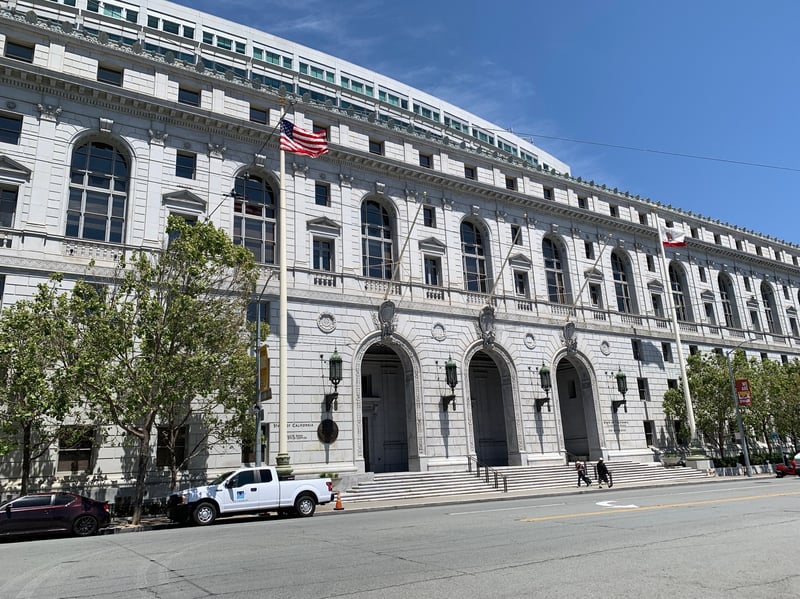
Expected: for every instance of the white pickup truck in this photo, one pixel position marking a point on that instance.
(249, 491)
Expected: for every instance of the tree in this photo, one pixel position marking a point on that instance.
(166, 333)
(786, 406)
(712, 401)
(34, 401)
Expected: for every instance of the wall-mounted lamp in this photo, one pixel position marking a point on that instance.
(335, 377)
(451, 378)
(546, 384)
(622, 387)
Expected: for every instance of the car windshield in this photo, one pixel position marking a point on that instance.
(221, 478)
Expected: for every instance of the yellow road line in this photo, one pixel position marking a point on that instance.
(618, 510)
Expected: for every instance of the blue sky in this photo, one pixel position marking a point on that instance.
(715, 79)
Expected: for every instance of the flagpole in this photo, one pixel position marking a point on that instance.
(693, 440)
(282, 461)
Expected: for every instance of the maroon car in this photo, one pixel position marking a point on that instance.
(50, 512)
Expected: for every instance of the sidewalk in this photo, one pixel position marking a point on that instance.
(122, 525)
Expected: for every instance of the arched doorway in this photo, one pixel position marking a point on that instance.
(578, 415)
(488, 411)
(384, 420)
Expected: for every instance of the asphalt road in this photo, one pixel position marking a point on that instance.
(731, 539)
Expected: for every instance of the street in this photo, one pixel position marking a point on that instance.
(734, 538)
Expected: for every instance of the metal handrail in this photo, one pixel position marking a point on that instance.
(487, 470)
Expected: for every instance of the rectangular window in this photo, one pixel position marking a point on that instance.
(433, 271)
(596, 295)
(614, 210)
(469, 172)
(258, 115)
(672, 383)
(376, 147)
(109, 75)
(710, 316)
(19, 51)
(649, 432)
(644, 389)
(786, 292)
(651, 263)
(669, 223)
(208, 37)
(739, 245)
(188, 96)
(521, 283)
(171, 27)
(694, 233)
(75, 444)
(165, 442)
(258, 311)
(10, 128)
(583, 203)
(322, 194)
(784, 359)
(717, 239)
(188, 32)
(666, 350)
(759, 251)
(764, 356)
(185, 165)
(746, 283)
(588, 247)
(425, 160)
(323, 254)
(702, 271)
(693, 349)
(658, 306)
(511, 183)
(8, 206)
(643, 218)
(548, 193)
(636, 348)
(516, 235)
(793, 327)
(429, 216)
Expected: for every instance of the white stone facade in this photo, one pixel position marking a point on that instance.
(430, 178)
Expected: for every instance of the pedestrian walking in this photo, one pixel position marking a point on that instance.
(582, 474)
(603, 474)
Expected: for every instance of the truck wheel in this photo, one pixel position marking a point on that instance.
(204, 513)
(304, 506)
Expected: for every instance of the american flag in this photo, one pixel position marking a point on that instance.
(299, 141)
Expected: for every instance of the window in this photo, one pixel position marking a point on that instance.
(747, 286)
(322, 194)
(376, 241)
(258, 311)
(97, 193)
(792, 325)
(188, 96)
(651, 263)
(75, 445)
(754, 320)
(770, 308)
(620, 269)
(474, 258)
(516, 235)
(613, 210)
(554, 272)
(429, 216)
(759, 251)
(521, 283)
(425, 160)
(257, 115)
(376, 147)
(729, 311)
(109, 75)
(643, 218)
(764, 356)
(636, 349)
(702, 271)
(786, 294)
(171, 440)
(717, 239)
(666, 350)
(649, 432)
(548, 193)
(469, 172)
(10, 128)
(254, 217)
(739, 245)
(644, 389)
(511, 183)
(8, 206)
(185, 165)
(693, 349)
(433, 271)
(658, 306)
(153, 22)
(3, 287)
(694, 232)
(595, 295)
(323, 254)
(672, 383)
(189, 220)
(588, 247)
(711, 317)
(669, 223)
(19, 51)
(583, 202)
(678, 285)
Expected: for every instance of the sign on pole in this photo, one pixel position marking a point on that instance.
(263, 373)
(743, 392)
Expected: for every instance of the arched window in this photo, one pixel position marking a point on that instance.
(554, 271)
(474, 254)
(376, 241)
(98, 193)
(726, 294)
(770, 309)
(620, 267)
(254, 217)
(677, 282)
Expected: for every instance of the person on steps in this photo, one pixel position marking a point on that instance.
(582, 474)
(603, 475)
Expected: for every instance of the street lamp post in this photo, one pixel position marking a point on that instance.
(736, 405)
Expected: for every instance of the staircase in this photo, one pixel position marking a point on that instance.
(410, 485)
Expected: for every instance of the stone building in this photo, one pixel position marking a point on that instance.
(425, 235)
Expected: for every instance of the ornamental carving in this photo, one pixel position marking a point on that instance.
(386, 316)
(569, 338)
(486, 324)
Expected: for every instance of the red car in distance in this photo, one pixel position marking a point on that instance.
(53, 512)
(789, 468)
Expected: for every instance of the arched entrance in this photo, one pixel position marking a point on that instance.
(384, 428)
(578, 415)
(488, 411)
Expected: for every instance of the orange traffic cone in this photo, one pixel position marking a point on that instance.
(339, 505)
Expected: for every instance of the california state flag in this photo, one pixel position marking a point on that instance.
(672, 237)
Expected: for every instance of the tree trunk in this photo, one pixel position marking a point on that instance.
(26, 457)
(141, 474)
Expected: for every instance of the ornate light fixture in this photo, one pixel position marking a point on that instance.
(451, 378)
(622, 387)
(335, 377)
(546, 383)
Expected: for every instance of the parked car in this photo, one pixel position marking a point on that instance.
(50, 512)
(789, 468)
